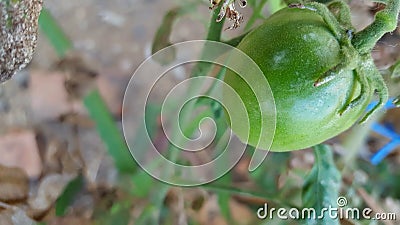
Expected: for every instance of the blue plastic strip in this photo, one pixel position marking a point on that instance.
(385, 151)
(389, 105)
(384, 130)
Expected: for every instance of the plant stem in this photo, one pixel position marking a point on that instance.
(201, 69)
(256, 14)
(214, 34)
(248, 193)
(385, 21)
(109, 132)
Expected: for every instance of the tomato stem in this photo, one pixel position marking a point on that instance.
(385, 21)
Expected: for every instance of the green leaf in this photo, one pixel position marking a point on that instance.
(68, 195)
(109, 132)
(50, 28)
(161, 39)
(321, 188)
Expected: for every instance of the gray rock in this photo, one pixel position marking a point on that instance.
(18, 34)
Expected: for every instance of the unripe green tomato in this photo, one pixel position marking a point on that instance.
(293, 48)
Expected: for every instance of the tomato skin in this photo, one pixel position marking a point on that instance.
(293, 48)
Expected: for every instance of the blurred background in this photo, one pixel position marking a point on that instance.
(63, 157)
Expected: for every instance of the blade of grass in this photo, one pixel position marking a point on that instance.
(95, 105)
(68, 195)
(54, 33)
(162, 38)
(109, 132)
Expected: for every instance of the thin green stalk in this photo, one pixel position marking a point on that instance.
(256, 14)
(214, 34)
(109, 132)
(201, 69)
(385, 21)
(247, 193)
